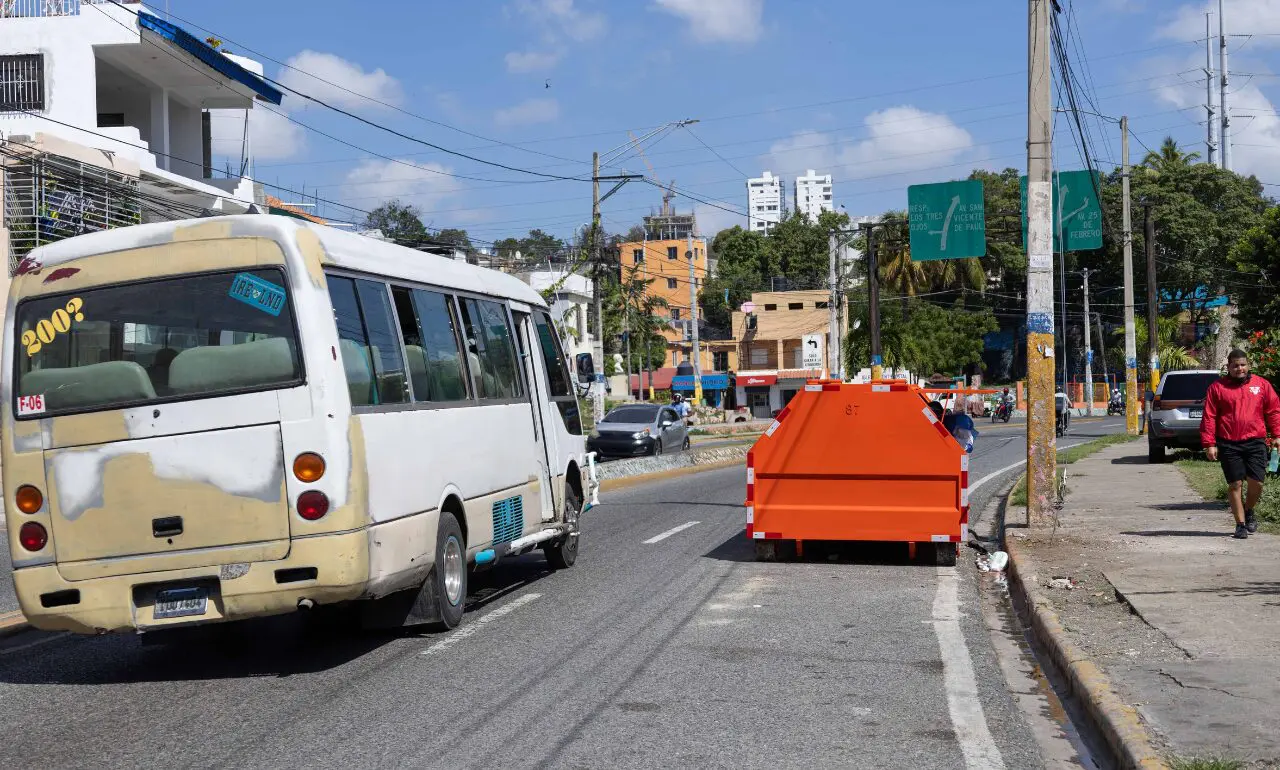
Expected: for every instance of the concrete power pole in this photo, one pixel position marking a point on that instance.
(1131, 416)
(1041, 450)
(833, 307)
(1224, 135)
(1211, 147)
(1088, 350)
(873, 302)
(597, 289)
(1153, 306)
(693, 325)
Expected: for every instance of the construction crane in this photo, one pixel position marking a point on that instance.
(669, 190)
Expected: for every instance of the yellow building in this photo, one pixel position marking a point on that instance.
(770, 342)
(666, 264)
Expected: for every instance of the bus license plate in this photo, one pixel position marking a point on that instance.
(180, 602)
(1196, 413)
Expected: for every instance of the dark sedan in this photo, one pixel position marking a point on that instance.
(639, 429)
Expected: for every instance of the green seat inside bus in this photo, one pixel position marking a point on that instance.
(220, 367)
(84, 386)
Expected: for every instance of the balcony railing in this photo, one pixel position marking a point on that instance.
(32, 9)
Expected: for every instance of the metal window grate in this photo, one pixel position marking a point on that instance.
(508, 519)
(48, 198)
(22, 82)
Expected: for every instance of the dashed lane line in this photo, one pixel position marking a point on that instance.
(670, 532)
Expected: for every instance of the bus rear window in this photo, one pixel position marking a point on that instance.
(163, 340)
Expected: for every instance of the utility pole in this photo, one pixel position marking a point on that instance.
(1088, 349)
(1041, 450)
(873, 302)
(1211, 147)
(1153, 308)
(693, 324)
(1102, 342)
(1131, 417)
(626, 325)
(597, 289)
(833, 308)
(1224, 135)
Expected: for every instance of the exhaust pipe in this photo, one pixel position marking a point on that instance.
(306, 604)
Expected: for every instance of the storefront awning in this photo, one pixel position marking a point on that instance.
(757, 379)
(799, 374)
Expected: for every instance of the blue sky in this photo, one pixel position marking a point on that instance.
(881, 95)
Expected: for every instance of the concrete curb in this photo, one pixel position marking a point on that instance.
(12, 623)
(1117, 722)
(673, 466)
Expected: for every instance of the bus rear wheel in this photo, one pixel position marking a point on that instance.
(563, 552)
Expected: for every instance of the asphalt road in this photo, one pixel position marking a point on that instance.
(666, 645)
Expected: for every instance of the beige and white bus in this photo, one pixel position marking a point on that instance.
(243, 416)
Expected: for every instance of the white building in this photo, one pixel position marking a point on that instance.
(813, 194)
(764, 203)
(570, 297)
(105, 120)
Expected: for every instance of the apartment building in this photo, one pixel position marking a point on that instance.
(813, 194)
(765, 203)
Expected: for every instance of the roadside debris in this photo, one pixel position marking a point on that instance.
(993, 562)
(1064, 583)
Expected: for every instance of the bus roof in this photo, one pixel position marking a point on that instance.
(346, 250)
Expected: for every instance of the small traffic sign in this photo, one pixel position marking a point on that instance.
(1076, 213)
(811, 345)
(947, 220)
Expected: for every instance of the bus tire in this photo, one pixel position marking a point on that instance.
(563, 552)
(449, 575)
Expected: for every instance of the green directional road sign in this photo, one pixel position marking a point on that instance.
(948, 220)
(1076, 213)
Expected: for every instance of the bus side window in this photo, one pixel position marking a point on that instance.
(353, 344)
(384, 342)
(439, 335)
(500, 344)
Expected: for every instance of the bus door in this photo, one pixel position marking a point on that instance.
(538, 403)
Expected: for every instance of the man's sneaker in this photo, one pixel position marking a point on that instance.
(1242, 532)
(1250, 521)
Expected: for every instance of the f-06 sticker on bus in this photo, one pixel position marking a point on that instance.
(30, 405)
(255, 292)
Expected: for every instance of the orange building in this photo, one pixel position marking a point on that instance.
(666, 264)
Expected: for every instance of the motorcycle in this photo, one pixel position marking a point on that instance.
(1002, 412)
(1115, 405)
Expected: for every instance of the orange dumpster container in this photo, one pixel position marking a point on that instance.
(857, 462)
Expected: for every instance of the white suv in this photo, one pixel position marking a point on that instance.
(1176, 411)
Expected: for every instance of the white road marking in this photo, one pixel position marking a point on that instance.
(967, 720)
(670, 532)
(479, 624)
(1008, 468)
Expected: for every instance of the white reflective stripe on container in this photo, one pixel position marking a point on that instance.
(751, 475)
(751, 514)
(772, 428)
(813, 388)
(941, 538)
(758, 535)
(933, 418)
(879, 388)
(964, 533)
(964, 460)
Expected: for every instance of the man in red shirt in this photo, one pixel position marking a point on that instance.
(1239, 411)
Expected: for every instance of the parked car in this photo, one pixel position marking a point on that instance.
(639, 429)
(1176, 411)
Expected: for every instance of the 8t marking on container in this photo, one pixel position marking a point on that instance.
(31, 405)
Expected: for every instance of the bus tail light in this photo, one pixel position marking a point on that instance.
(29, 499)
(33, 536)
(308, 467)
(312, 505)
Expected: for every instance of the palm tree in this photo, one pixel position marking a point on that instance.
(1170, 158)
(957, 274)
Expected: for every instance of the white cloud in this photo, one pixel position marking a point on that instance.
(271, 135)
(1187, 22)
(422, 184)
(712, 220)
(729, 21)
(528, 112)
(340, 74)
(532, 61)
(898, 139)
(1255, 126)
(563, 17)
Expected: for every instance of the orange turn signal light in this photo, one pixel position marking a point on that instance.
(308, 467)
(29, 499)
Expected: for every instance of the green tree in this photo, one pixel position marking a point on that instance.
(922, 337)
(1257, 257)
(1170, 159)
(398, 221)
(454, 237)
(744, 263)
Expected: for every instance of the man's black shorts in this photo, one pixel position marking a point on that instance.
(1243, 459)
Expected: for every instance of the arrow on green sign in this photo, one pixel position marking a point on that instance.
(947, 220)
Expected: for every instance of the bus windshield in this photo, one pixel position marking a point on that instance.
(162, 340)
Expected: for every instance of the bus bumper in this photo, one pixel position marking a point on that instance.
(234, 591)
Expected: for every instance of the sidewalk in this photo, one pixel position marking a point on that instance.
(1182, 619)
